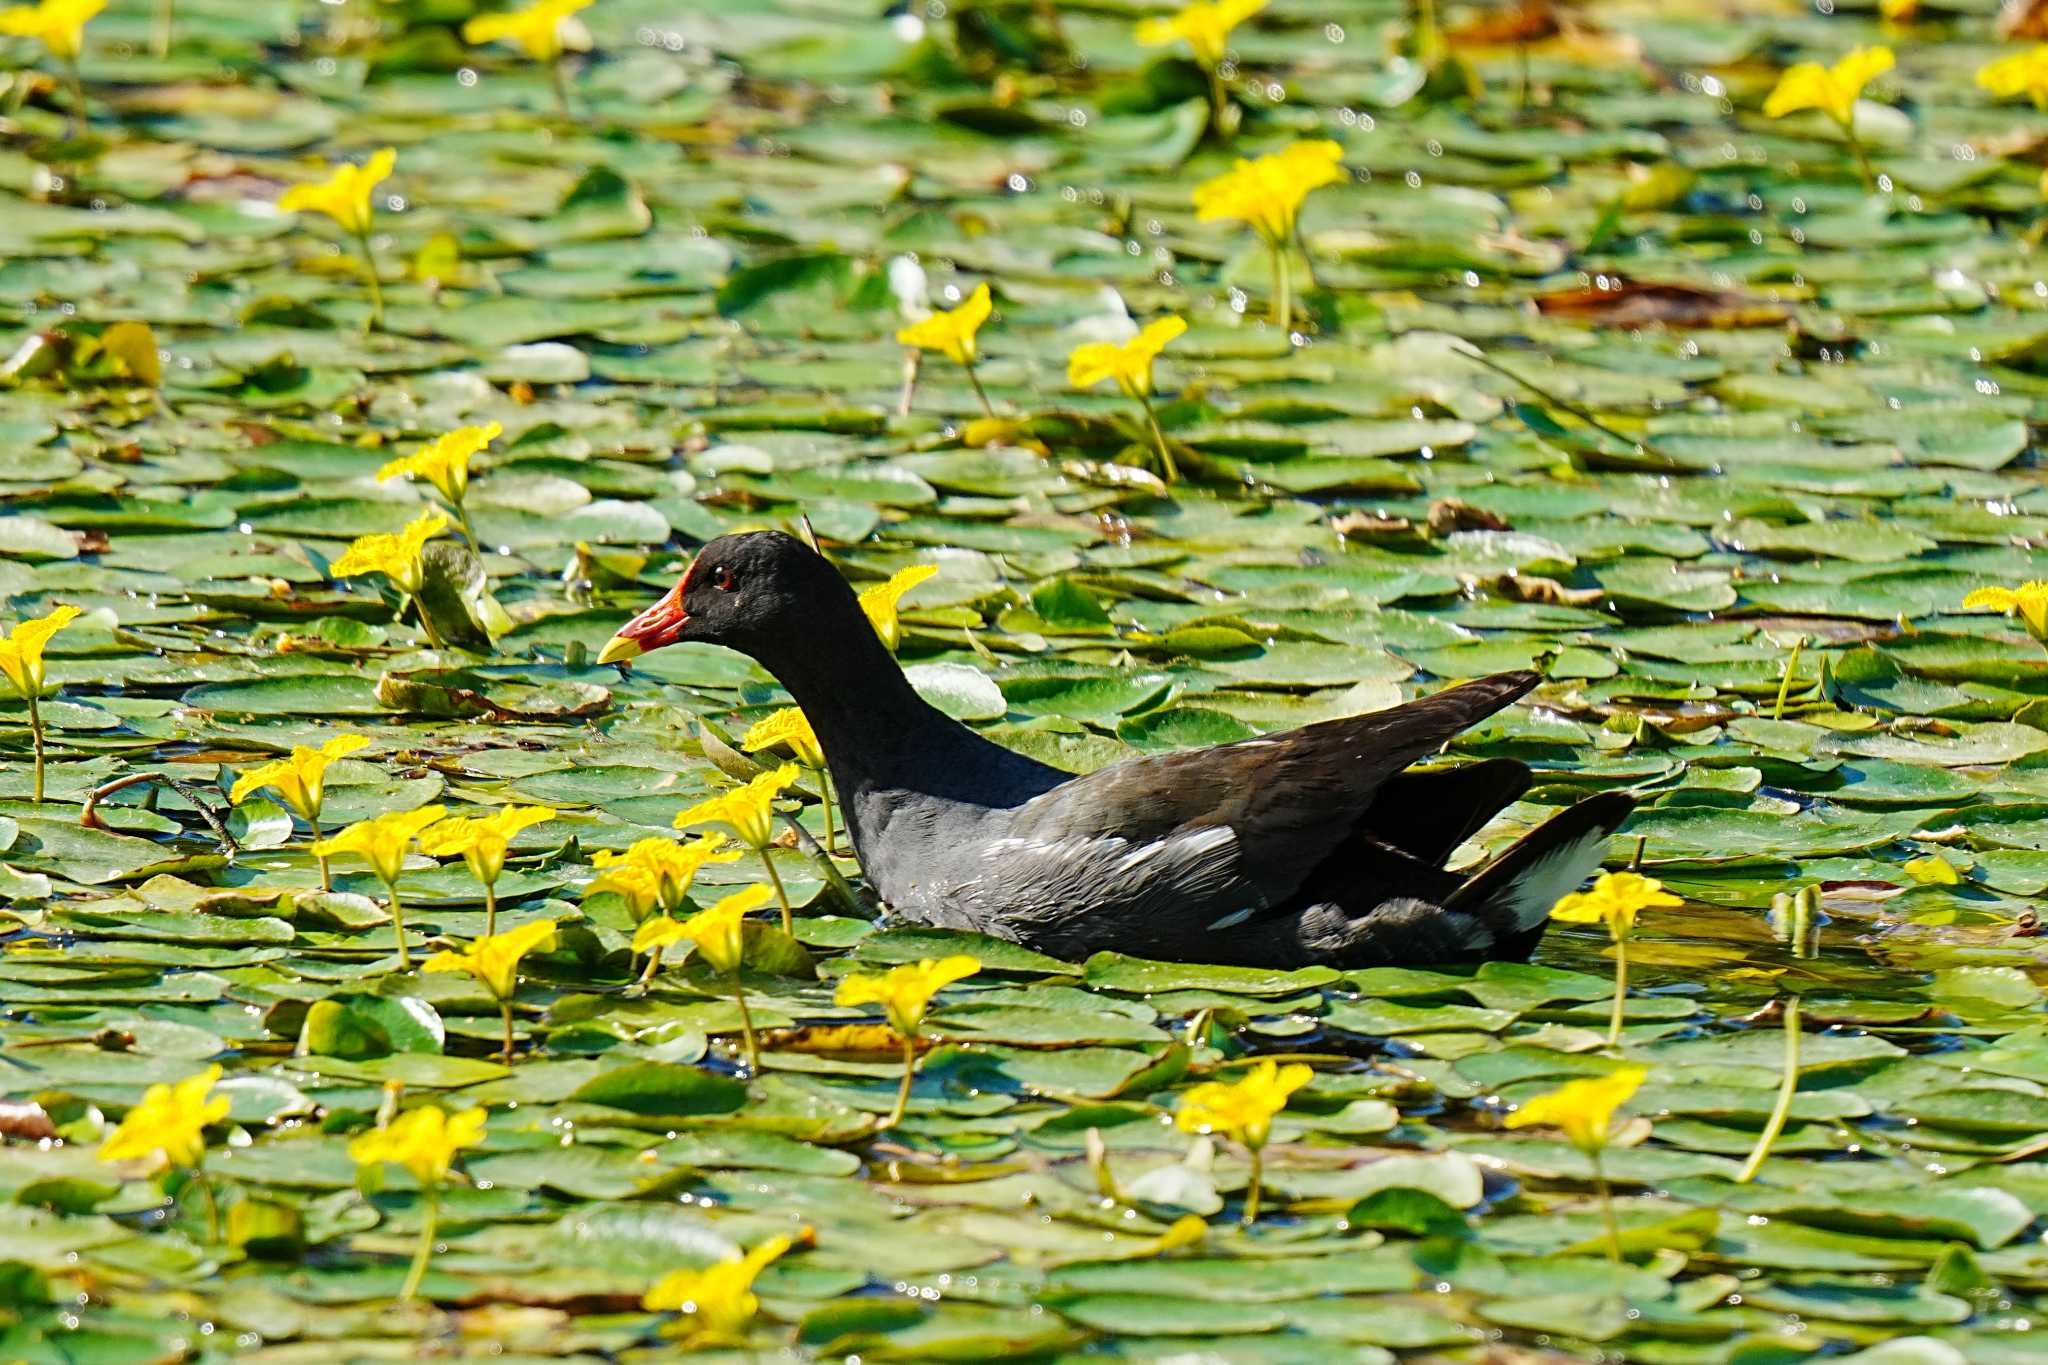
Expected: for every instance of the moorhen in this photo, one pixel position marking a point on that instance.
(1311, 846)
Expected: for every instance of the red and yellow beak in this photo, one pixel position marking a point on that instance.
(659, 625)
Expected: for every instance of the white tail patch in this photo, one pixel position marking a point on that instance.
(1558, 873)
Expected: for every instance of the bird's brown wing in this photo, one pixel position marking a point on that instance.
(1287, 800)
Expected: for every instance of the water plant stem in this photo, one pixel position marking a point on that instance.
(1251, 1194)
(75, 126)
(1607, 1217)
(490, 909)
(398, 924)
(781, 893)
(1219, 103)
(1283, 288)
(429, 1225)
(1167, 468)
(1620, 992)
(739, 997)
(1785, 685)
(831, 829)
(975, 379)
(560, 81)
(505, 1013)
(326, 872)
(205, 1184)
(909, 1075)
(35, 730)
(376, 296)
(1788, 1085)
(160, 31)
(1863, 166)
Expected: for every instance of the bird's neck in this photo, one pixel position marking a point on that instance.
(880, 736)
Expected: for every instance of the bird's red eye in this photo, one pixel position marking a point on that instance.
(721, 578)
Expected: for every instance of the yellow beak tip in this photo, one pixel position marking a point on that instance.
(618, 650)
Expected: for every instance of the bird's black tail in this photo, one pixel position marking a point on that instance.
(1514, 892)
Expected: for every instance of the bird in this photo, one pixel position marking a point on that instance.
(1310, 847)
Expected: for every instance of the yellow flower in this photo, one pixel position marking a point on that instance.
(1899, 11)
(719, 932)
(1205, 28)
(397, 557)
(788, 726)
(1933, 870)
(1242, 1109)
(21, 652)
(1833, 90)
(880, 602)
(483, 840)
(423, 1140)
(344, 195)
(1584, 1109)
(1615, 900)
(1129, 363)
(2023, 73)
(300, 780)
(58, 25)
(541, 30)
(171, 1119)
(660, 868)
(1268, 193)
(382, 840)
(2030, 599)
(952, 332)
(639, 884)
(905, 993)
(718, 1299)
(444, 462)
(495, 960)
(747, 811)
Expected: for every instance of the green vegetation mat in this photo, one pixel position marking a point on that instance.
(1597, 364)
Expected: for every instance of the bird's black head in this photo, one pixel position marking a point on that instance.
(760, 592)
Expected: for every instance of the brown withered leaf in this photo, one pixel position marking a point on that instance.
(1548, 592)
(1528, 22)
(1371, 526)
(1629, 303)
(2028, 19)
(1450, 515)
(26, 1120)
(877, 1041)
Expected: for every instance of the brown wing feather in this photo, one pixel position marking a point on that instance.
(1291, 798)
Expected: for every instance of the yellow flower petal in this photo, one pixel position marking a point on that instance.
(300, 781)
(881, 602)
(1129, 364)
(542, 30)
(494, 960)
(1204, 26)
(345, 194)
(718, 1299)
(484, 841)
(720, 933)
(424, 1141)
(1243, 1109)
(905, 993)
(171, 1119)
(789, 726)
(58, 25)
(444, 461)
(383, 840)
(748, 811)
(952, 332)
(1615, 899)
(21, 651)
(397, 557)
(1584, 1109)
